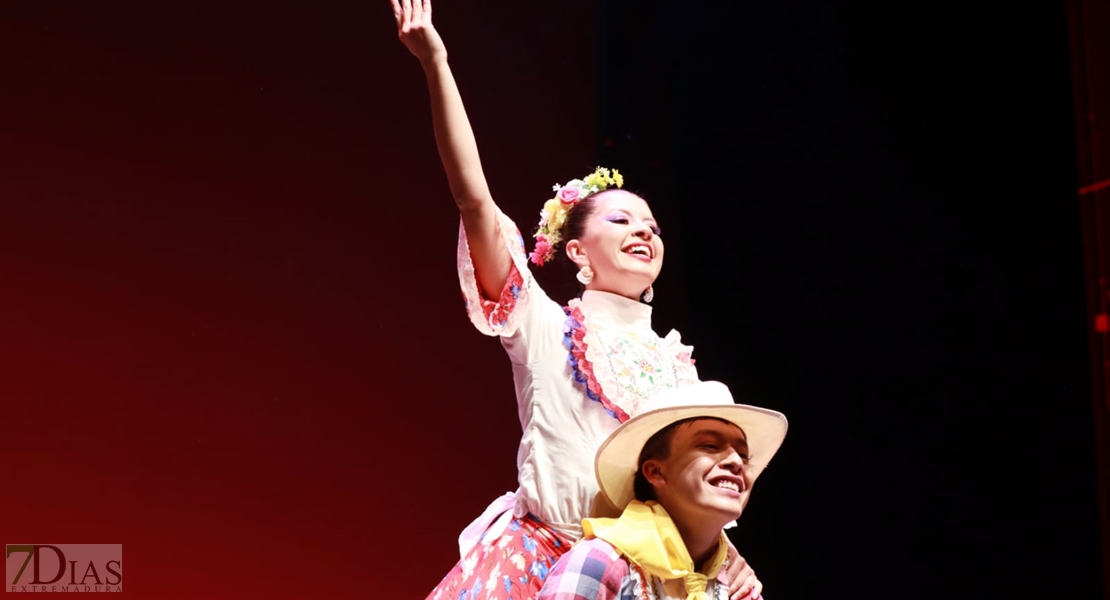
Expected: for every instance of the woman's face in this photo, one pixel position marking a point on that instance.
(621, 244)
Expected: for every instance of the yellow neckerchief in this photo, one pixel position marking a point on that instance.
(647, 537)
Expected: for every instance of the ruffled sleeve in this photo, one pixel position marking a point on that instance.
(497, 316)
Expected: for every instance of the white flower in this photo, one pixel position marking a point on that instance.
(494, 576)
(543, 218)
(469, 563)
(556, 187)
(578, 183)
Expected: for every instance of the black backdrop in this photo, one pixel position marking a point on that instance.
(879, 235)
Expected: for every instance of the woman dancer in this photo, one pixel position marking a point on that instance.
(579, 371)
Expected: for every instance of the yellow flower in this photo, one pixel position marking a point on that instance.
(552, 206)
(597, 178)
(603, 178)
(558, 219)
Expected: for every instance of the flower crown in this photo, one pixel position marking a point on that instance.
(554, 213)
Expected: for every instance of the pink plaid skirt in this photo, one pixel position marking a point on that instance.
(512, 567)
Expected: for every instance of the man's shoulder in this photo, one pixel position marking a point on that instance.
(591, 569)
(596, 550)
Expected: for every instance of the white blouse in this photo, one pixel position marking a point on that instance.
(579, 372)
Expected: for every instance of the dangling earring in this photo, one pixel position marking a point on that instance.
(648, 295)
(585, 275)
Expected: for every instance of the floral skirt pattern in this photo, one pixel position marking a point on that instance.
(512, 567)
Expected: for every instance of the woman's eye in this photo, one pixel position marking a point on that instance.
(656, 231)
(621, 220)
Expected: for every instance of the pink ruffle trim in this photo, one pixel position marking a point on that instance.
(583, 368)
(497, 313)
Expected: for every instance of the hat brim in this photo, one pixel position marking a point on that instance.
(618, 457)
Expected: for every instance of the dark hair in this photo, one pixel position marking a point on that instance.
(658, 447)
(575, 225)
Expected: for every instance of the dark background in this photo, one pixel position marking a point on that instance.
(232, 338)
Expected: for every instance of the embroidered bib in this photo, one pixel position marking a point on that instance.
(617, 357)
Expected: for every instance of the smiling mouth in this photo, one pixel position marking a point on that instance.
(639, 250)
(726, 484)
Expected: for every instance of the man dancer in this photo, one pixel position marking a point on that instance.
(681, 470)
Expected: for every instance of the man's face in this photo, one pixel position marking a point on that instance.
(706, 475)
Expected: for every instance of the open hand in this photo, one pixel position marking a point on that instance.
(415, 30)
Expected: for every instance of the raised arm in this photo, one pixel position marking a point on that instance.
(458, 150)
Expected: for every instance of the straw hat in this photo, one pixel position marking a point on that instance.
(618, 457)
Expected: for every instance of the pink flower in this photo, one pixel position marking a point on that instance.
(568, 195)
(542, 253)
